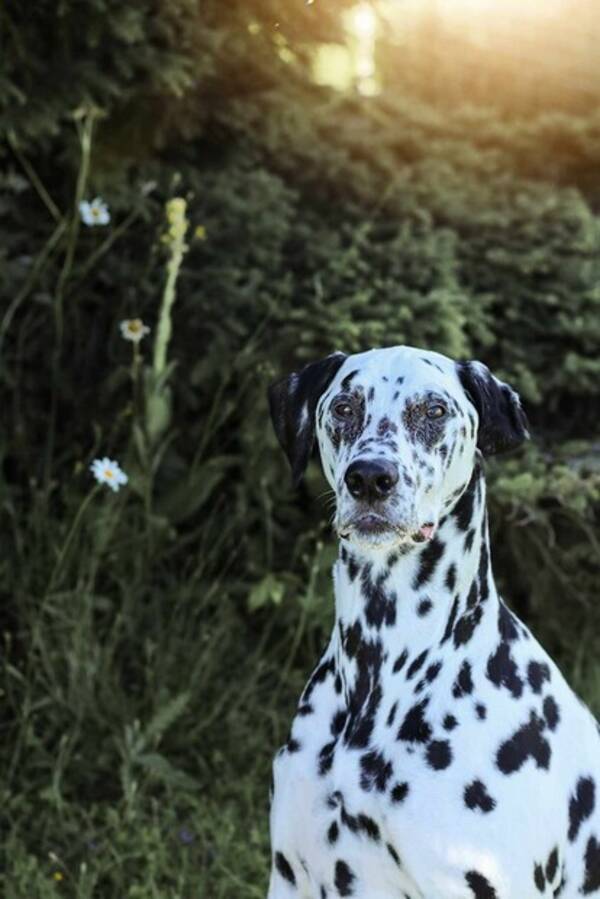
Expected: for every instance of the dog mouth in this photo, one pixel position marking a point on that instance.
(371, 525)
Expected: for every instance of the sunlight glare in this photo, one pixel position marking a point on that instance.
(361, 21)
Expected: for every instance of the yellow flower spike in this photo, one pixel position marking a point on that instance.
(176, 212)
(175, 240)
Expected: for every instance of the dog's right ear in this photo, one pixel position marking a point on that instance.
(293, 402)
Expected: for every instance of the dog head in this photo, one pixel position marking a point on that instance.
(398, 430)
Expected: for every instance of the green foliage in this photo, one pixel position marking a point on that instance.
(155, 640)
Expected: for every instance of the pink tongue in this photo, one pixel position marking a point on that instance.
(427, 531)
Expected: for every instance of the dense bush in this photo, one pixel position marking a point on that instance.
(154, 640)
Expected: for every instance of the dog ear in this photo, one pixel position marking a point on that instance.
(502, 422)
(293, 402)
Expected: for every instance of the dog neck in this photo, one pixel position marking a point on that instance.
(423, 602)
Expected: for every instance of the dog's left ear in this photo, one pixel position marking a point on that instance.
(293, 402)
(502, 422)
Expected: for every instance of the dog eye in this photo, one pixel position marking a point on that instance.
(436, 410)
(343, 410)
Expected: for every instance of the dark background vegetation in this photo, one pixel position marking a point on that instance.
(155, 640)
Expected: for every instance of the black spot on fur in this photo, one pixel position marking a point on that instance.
(592, 867)
(476, 796)
(333, 833)
(439, 754)
(451, 622)
(470, 536)
(353, 568)
(415, 729)
(394, 854)
(552, 865)
(416, 664)
(321, 673)
(463, 510)
(449, 722)
(343, 879)
(480, 711)
(399, 792)
(450, 579)
(502, 670)
(507, 623)
(334, 799)
(400, 661)
(293, 745)
(337, 722)
(365, 696)
(284, 868)
(424, 607)
(466, 625)
(480, 886)
(539, 878)
(380, 606)
(430, 557)
(581, 805)
(527, 742)
(351, 639)
(392, 714)
(347, 380)
(375, 771)
(537, 673)
(432, 672)
(551, 712)
(326, 757)
(360, 824)
(463, 684)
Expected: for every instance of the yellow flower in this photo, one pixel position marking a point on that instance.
(58, 876)
(176, 210)
(200, 232)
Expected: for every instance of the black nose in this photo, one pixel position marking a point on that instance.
(371, 479)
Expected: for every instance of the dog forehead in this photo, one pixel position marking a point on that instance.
(408, 368)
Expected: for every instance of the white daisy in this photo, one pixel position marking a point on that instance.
(106, 471)
(133, 329)
(94, 212)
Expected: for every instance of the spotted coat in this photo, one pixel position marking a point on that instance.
(437, 751)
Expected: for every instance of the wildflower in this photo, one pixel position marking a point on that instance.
(133, 329)
(176, 210)
(200, 232)
(94, 213)
(58, 876)
(108, 472)
(178, 223)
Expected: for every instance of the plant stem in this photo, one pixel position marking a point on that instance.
(70, 536)
(85, 130)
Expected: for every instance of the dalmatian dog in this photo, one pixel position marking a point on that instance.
(437, 752)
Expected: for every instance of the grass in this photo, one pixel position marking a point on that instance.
(140, 703)
(143, 710)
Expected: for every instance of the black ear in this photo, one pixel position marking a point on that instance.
(293, 402)
(502, 422)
